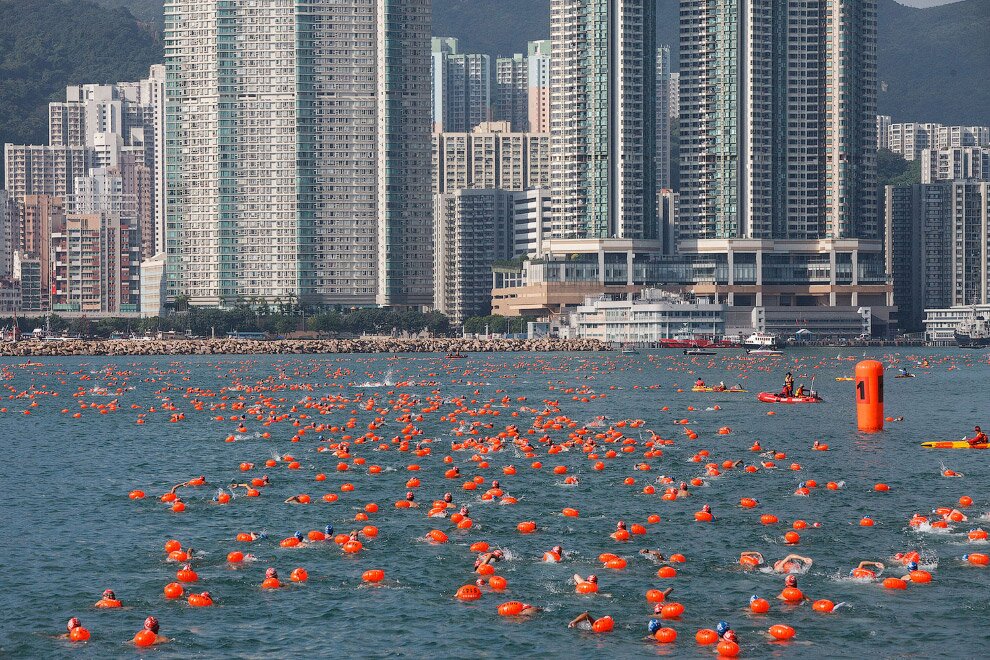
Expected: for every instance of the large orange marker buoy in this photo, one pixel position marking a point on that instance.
(869, 396)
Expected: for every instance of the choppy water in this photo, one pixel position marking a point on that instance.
(69, 529)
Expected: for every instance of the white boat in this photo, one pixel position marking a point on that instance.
(761, 340)
(763, 351)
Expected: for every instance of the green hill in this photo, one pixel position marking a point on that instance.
(48, 44)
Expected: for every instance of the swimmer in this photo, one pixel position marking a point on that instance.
(198, 481)
(75, 631)
(792, 563)
(751, 558)
(725, 632)
(620, 526)
(555, 554)
(295, 499)
(707, 508)
(791, 582)
(591, 579)
(411, 498)
(682, 490)
(911, 567)
(954, 516)
(862, 571)
(109, 600)
(658, 607)
(583, 621)
(257, 535)
(151, 625)
(488, 558)
(654, 555)
(448, 498)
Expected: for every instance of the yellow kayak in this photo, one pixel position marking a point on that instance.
(712, 389)
(953, 444)
(844, 378)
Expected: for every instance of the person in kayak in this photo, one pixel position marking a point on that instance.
(979, 439)
(699, 382)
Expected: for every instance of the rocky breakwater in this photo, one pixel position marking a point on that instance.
(290, 346)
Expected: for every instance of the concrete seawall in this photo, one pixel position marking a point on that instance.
(290, 346)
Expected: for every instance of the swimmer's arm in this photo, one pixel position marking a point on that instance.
(876, 564)
(578, 580)
(752, 553)
(666, 592)
(584, 616)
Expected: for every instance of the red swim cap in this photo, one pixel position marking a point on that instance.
(151, 623)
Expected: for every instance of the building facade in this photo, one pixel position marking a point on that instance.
(473, 230)
(95, 262)
(491, 156)
(647, 318)
(538, 96)
(955, 164)
(298, 154)
(603, 61)
(462, 87)
(937, 247)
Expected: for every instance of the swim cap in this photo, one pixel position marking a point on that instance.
(592, 578)
(328, 530)
(271, 572)
(654, 625)
(108, 593)
(790, 580)
(151, 623)
(722, 627)
(965, 557)
(298, 535)
(753, 597)
(912, 565)
(73, 623)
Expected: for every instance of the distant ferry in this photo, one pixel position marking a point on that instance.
(761, 340)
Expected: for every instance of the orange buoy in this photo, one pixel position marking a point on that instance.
(186, 575)
(792, 595)
(172, 545)
(671, 611)
(299, 575)
(964, 501)
(570, 513)
(665, 635)
(869, 396)
(145, 638)
(526, 527)
(866, 521)
(511, 608)
(468, 592)
(373, 575)
(706, 636)
(136, 494)
(271, 583)
(200, 600)
(352, 547)
(759, 605)
(667, 572)
(437, 536)
(497, 583)
(781, 632)
(173, 590)
(485, 569)
(881, 488)
(603, 625)
(586, 588)
(792, 538)
(78, 634)
(727, 649)
(479, 546)
(235, 557)
(977, 558)
(655, 596)
(824, 606)
(920, 576)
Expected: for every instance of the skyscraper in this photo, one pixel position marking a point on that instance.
(603, 64)
(298, 154)
(522, 89)
(538, 72)
(778, 154)
(778, 113)
(663, 118)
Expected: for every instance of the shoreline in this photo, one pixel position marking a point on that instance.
(125, 347)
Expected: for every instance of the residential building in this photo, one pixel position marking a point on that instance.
(778, 151)
(512, 92)
(602, 116)
(955, 163)
(883, 132)
(44, 170)
(936, 248)
(531, 222)
(667, 208)
(909, 138)
(153, 286)
(95, 264)
(473, 230)
(663, 121)
(491, 156)
(538, 95)
(298, 153)
(9, 230)
(41, 217)
(462, 87)
(28, 274)
(947, 137)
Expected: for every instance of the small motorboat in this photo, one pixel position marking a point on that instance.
(455, 356)
(698, 351)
